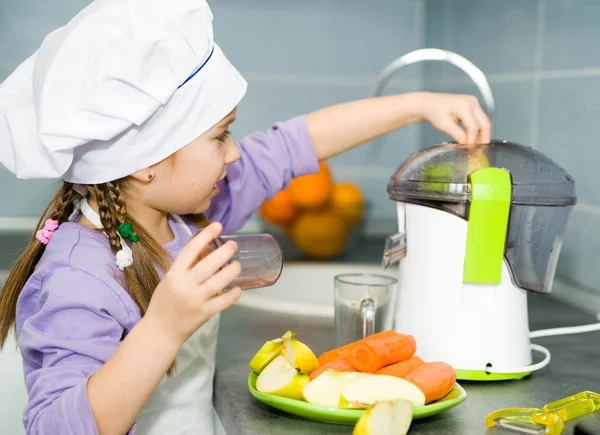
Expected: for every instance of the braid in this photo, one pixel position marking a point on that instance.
(117, 202)
(107, 217)
(64, 203)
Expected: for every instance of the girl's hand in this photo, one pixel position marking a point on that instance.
(187, 296)
(446, 111)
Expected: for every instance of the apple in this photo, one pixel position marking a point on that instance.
(326, 389)
(281, 378)
(385, 418)
(298, 354)
(365, 389)
(267, 353)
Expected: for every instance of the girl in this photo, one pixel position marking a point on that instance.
(115, 304)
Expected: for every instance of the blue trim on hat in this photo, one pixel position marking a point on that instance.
(198, 69)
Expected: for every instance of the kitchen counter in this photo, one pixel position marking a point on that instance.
(574, 367)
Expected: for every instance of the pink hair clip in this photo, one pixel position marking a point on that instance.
(45, 233)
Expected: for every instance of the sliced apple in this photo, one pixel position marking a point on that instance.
(298, 354)
(385, 418)
(280, 378)
(326, 389)
(365, 389)
(267, 353)
(354, 405)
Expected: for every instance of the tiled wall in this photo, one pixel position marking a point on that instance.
(298, 56)
(542, 60)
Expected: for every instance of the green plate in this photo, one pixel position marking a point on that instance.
(348, 416)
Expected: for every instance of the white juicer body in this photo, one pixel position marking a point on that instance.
(469, 326)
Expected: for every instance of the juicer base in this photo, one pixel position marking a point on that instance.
(482, 375)
(505, 374)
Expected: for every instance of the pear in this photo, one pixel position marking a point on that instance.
(267, 353)
(298, 354)
(385, 418)
(281, 378)
(326, 389)
(365, 389)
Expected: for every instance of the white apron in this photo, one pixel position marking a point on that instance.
(183, 404)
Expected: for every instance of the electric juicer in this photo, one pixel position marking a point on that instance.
(480, 226)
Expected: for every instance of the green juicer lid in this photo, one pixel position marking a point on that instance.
(441, 174)
(515, 199)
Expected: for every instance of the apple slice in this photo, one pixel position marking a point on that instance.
(366, 389)
(267, 353)
(326, 389)
(298, 354)
(280, 378)
(385, 418)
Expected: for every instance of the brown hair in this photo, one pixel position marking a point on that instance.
(140, 279)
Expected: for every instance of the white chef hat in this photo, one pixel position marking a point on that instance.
(122, 86)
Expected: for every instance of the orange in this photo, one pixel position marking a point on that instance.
(319, 234)
(348, 201)
(314, 190)
(280, 209)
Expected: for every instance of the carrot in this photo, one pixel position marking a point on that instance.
(339, 365)
(401, 368)
(337, 353)
(345, 350)
(434, 379)
(374, 353)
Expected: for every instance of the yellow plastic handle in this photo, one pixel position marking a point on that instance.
(574, 406)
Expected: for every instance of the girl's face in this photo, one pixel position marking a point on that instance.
(185, 182)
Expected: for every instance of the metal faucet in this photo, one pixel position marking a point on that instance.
(444, 56)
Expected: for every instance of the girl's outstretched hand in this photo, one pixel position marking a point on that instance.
(188, 295)
(446, 112)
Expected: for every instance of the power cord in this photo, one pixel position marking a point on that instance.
(536, 347)
(566, 330)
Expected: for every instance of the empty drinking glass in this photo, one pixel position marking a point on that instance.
(363, 305)
(259, 255)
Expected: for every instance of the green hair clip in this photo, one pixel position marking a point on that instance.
(126, 231)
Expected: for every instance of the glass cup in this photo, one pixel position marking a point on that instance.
(363, 305)
(259, 255)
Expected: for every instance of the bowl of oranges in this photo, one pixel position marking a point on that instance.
(318, 215)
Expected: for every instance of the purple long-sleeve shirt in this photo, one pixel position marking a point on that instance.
(73, 313)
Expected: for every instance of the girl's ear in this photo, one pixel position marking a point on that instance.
(144, 175)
